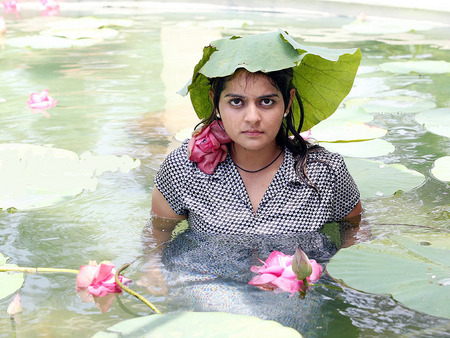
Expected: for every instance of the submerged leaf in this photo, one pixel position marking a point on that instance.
(414, 269)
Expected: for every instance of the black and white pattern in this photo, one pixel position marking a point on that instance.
(219, 203)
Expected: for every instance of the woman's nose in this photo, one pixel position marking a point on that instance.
(252, 114)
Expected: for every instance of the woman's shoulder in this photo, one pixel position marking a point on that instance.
(177, 159)
(321, 155)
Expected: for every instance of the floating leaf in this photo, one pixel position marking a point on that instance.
(39, 42)
(197, 324)
(88, 23)
(87, 33)
(34, 176)
(436, 121)
(375, 178)
(421, 67)
(371, 148)
(10, 281)
(333, 130)
(379, 26)
(351, 114)
(402, 104)
(441, 169)
(415, 270)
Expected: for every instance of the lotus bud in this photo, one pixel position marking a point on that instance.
(15, 306)
(301, 265)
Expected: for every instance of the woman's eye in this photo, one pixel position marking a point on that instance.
(266, 102)
(236, 102)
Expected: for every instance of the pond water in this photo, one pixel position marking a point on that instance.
(118, 97)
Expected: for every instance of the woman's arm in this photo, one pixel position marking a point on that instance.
(164, 219)
(354, 216)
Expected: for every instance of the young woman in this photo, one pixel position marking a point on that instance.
(246, 169)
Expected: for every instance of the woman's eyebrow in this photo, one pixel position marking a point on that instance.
(259, 97)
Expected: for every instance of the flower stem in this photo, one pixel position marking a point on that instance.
(37, 270)
(131, 292)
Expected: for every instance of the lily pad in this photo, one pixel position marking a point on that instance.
(34, 176)
(379, 26)
(421, 67)
(197, 324)
(375, 178)
(48, 42)
(414, 269)
(85, 33)
(334, 130)
(436, 121)
(398, 105)
(370, 148)
(351, 114)
(88, 23)
(10, 281)
(441, 169)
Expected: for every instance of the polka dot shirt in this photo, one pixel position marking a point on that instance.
(219, 203)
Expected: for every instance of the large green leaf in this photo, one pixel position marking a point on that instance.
(324, 76)
(34, 176)
(436, 121)
(414, 269)
(10, 281)
(375, 178)
(198, 324)
(441, 169)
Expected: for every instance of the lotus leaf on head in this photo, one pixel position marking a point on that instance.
(323, 76)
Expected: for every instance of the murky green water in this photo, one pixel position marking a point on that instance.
(118, 97)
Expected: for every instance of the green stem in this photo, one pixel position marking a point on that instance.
(37, 270)
(131, 292)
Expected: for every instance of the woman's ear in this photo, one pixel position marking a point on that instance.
(211, 96)
(291, 97)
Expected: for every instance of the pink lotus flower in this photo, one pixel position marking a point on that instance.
(99, 280)
(49, 7)
(208, 147)
(277, 274)
(10, 6)
(40, 102)
(15, 306)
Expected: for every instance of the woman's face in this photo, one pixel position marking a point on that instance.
(252, 110)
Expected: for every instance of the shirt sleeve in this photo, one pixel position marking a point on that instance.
(171, 179)
(346, 194)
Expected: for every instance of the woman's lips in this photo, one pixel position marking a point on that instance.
(252, 132)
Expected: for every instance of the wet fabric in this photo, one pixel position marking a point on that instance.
(219, 203)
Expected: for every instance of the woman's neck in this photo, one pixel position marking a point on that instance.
(255, 160)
